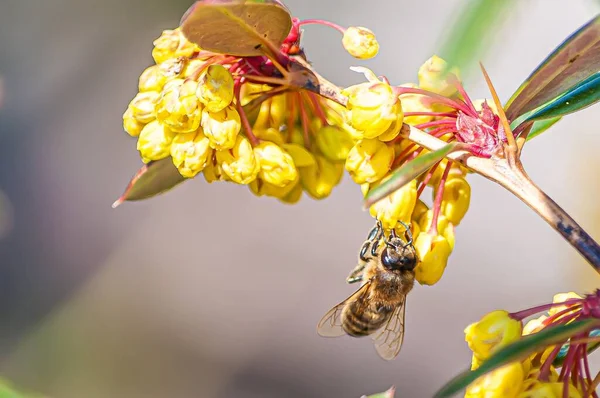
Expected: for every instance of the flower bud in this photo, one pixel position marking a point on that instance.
(560, 298)
(154, 142)
(319, 179)
(221, 127)
(239, 163)
(213, 171)
(433, 252)
(130, 124)
(444, 227)
(534, 325)
(278, 111)
(360, 42)
(504, 382)
(215, 90)
(334, 142)
(269, 134)
(179, 108)
(492, 332)
(172, 44)
(293, 196)
(190, 153)
(394, 130)
(369, 161)
(415, 103)
(372, 108)
(420, 209)
(192, 67)
(396, 207)
(143, 106)
(456, 199)
(276, 165)
(434, 77)
(259, 187)
(301, 156)
(152, 79)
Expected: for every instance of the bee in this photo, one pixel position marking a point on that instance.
(377, 308)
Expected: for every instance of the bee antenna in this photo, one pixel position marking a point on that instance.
(407, 232)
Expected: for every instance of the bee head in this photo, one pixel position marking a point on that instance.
(398, 256)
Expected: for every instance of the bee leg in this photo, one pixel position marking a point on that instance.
(375, 233)
(356, 274)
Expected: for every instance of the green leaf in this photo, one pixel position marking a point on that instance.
(560, 358)
(8, 391)
(407, 173)
(386, 394)
(152, 179)
(471, 31)
(237, 27)
(573, 61)
(582, 95)
(517, 351)
(540, 126)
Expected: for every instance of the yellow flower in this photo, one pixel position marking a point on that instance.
(190, 153)
(239, 163)
(301, 156)
(318, 180)
(562, 297)
(213, 170)
(444, 226)
(433, 252)
(415, 103)
(369, 160)
(534, 325)
(396, 207)
(143, 106)
(394, 130)
(456, 199)
(360, 42)
(420, 209)
(154, 142)
(550, 390)
(492, 332)
(334, 142)
(269, 134)
(278, 110)
(192, 67)
(260, 187)
(152, 79)
(221, 127)
(172, 44)
(504, 382)
(433, 77)
(130, 124)
(215, 90)
(179, 108)
(276, 165)
(293, 196)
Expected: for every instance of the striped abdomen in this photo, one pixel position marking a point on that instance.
(361, 319)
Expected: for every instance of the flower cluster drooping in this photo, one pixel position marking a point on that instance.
(225, 117)
(536, 376)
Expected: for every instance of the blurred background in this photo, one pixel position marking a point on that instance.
(209, 291)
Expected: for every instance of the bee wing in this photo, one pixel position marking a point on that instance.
(388, 340)
(331, 324)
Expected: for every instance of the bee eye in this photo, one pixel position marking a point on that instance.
(389, 260)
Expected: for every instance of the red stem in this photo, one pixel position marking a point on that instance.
(440, 114)
(304, 120)
(520, 315)
(545, 368)
(318, 108)
(458, 105)
(462, 92)
(244, 119)
(322, 22)
(426, 179)
(436, 123)
(437, 205)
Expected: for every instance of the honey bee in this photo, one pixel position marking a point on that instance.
(377, 307)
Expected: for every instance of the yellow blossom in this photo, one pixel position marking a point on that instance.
(360, 42)
(394, 130)
(415, 103)
(534, 325)
(334, 143)
(130, 123)
(456, 199)
(396, 207)
(318, 180)
(562, 297)
(504, 382)
(213, 171)
(276, 165)
(369, 160)
(179, 108)
(152, 79)
(192, 68)
(215, 90)
(190, 153)
(221, 127)
(262, 188)
(239, 163)
(293, 196)
(172, 44)
(433, 252)
(420, 209)
(154, 142)
(434, 77)
(143, 106)
(550, 390)
(268, 134)
(301, 156)
(492, 332)
(444, 227)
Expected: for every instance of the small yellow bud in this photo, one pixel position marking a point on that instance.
(213, 171)
(179, 108)
(433, 252)
(154, 142)
(319, 179)
(172, 44)
(434, 77)
(276, 165)
(192, 67)
(293, 196)
(456, 199)
(269, 134)
(415, 103)
(190, 153)
(360, 42)
(152, 79)
(334, 143)
(369, 160)
(249, 91)
(534, 325)
(259, 187)
(394, 130)
(278, 111)
(562, 297)
(239, 163)
(444, 227)
(143, 105)
(492, 332)
(130, 124)
(396, 207)
(420, 209)
(215, 90)
(301, 156)
(221, 127)
(504, 382)
(372, 108)
(550, 390)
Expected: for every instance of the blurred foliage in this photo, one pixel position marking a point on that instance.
(8, 391)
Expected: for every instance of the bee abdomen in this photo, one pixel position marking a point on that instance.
(362, 322)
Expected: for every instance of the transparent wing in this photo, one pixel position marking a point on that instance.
(331, 324)
(388, 339)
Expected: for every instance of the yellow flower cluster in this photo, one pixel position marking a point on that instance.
(517, 379)
(374, 120)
